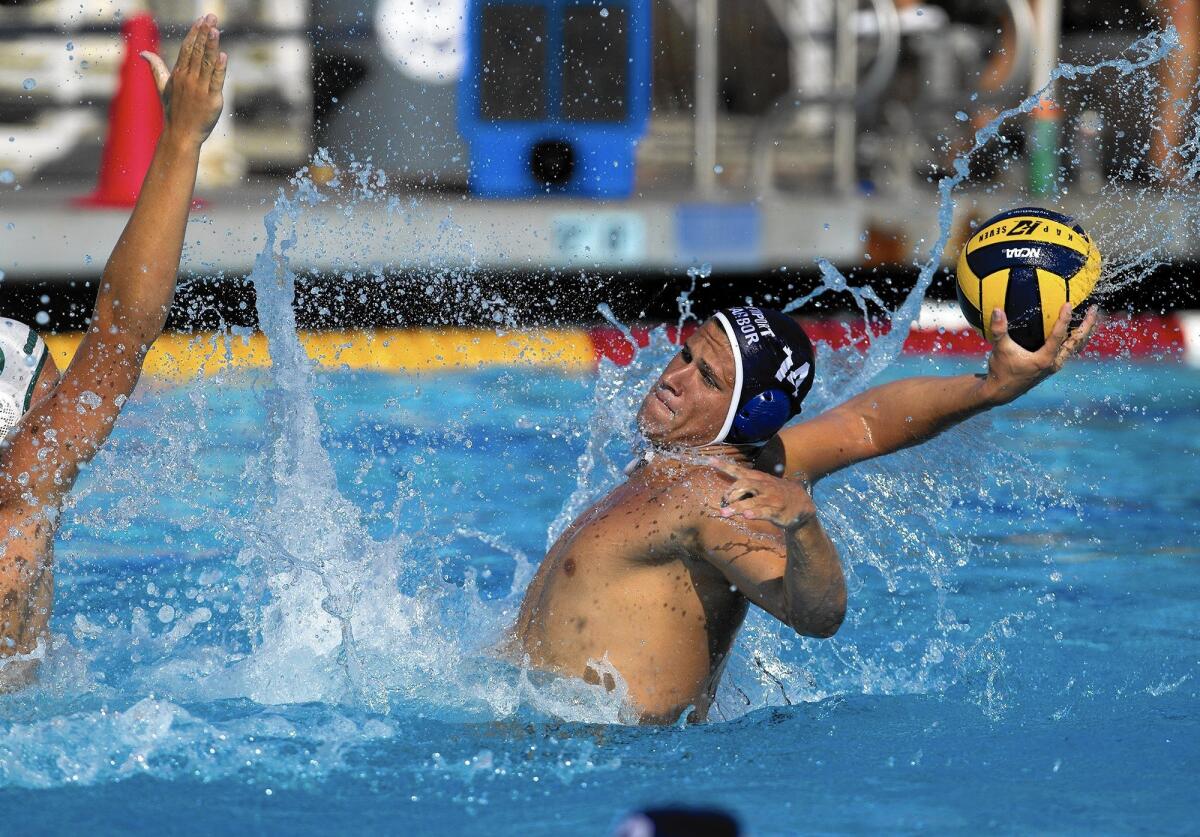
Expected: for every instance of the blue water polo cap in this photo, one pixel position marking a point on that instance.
(773, 372)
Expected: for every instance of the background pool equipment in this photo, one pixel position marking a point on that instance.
(555, 96)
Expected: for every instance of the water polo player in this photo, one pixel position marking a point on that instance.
(647, 589)
(52, 424)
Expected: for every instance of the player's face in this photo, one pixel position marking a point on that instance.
(688, 403)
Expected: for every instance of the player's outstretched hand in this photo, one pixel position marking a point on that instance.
(1014, 370)
(754, 495)
(191, 93)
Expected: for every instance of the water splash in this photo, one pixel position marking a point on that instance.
(612, 431)
(337, 625)
(1148, 223)
(885, 346)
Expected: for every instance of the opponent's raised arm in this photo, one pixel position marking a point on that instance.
(764, 536)
(897, 415)
(67, 426)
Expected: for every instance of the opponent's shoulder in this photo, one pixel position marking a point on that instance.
(674, 491)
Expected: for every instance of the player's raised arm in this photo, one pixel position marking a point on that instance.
(40, 459)
(897, 415)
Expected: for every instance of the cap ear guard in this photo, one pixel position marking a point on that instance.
(760, 418)
(738, 376)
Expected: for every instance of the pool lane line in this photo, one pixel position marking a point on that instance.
(180, 357)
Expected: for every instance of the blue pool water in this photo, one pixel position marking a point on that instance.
(246, 641)
(277, 593)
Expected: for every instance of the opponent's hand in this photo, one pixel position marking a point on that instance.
(191, 93)
(758, 496)
(1014, 370)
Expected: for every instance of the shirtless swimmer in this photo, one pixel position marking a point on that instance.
(654, 580)
(50, 425)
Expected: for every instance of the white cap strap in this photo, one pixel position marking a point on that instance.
(737, 377)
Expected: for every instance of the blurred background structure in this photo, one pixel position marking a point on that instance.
(752, 136)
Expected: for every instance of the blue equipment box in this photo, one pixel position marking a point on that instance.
(555, 95)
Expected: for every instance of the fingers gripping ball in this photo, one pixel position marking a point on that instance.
(1028, 262)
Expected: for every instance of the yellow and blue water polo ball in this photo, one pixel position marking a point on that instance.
(1028, 262)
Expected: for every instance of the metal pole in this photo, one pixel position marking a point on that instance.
(704, 124)
(1048, 17)
(845, 124)
(1044, 151)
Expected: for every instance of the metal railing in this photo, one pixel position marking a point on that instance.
(849, 93)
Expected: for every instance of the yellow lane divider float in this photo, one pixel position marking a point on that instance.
(177, 356)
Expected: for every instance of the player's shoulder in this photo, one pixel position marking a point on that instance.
(683, 485)
(698, 478)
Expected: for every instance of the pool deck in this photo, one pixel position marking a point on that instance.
(44, 235)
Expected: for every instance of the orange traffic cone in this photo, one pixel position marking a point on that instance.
(135, 120)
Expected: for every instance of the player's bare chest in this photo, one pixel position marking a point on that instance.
(637, 524)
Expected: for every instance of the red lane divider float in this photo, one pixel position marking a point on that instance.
(942, 330)
(610, 342)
